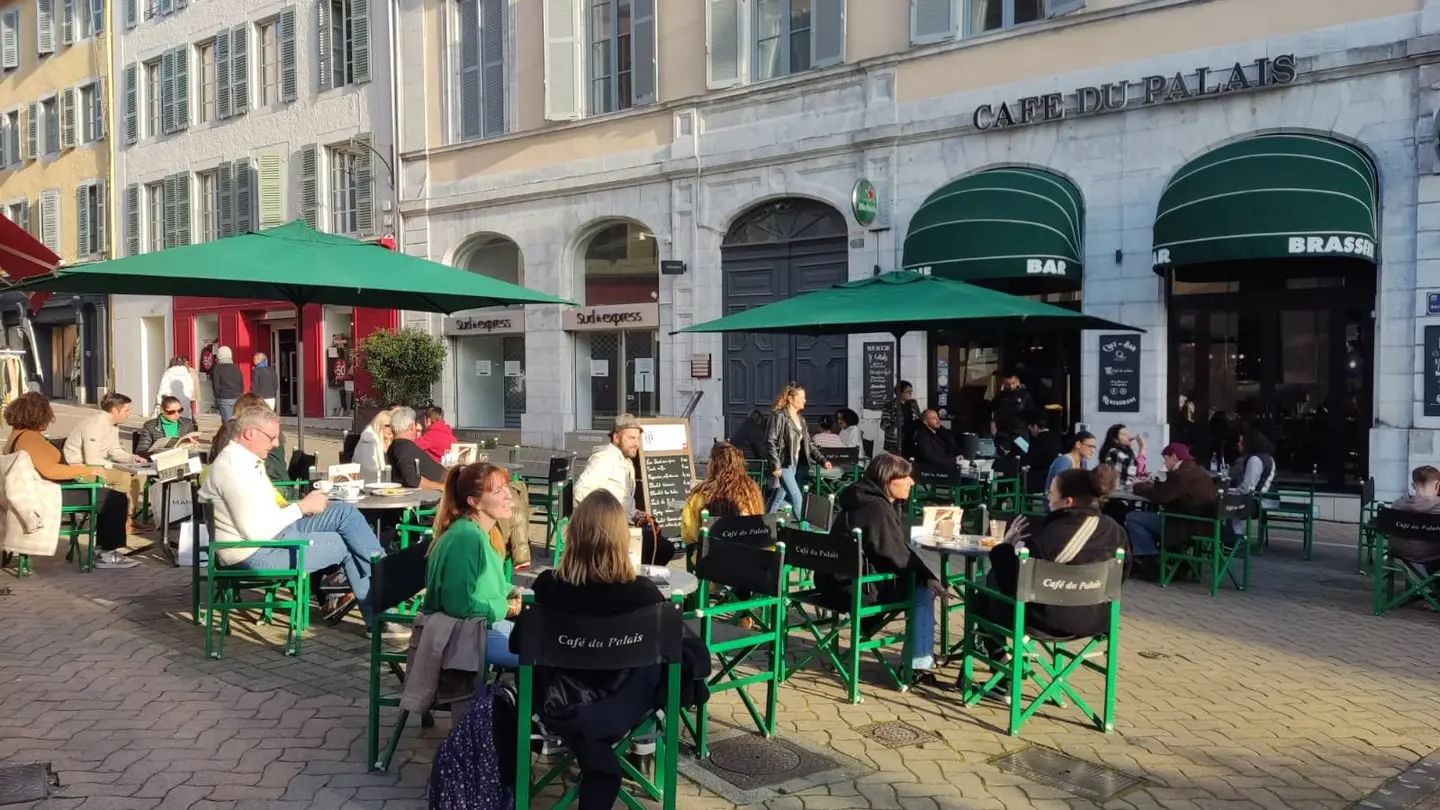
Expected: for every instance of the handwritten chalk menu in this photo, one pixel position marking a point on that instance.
(879, 375)
(1119, 378)
(667, 469)
(1431, 351)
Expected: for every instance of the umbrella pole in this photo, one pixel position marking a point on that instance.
(300, 375)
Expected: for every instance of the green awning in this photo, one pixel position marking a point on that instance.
(1013, 228)
(1269, 197)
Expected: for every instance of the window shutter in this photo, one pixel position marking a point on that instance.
(364, 187)
(67, 118)
(359, 29)
(182, 209)
(130, 14)
(827, 33)
(82, 220)
(98, 226)
(270, 194)
(285, 33)
(1054, 8)
(97, 16)
(224, 201)
(931, 20)
(182, 88)
(32, 131)
(646, 76)
(562, 60)
(325, 64)
(4, 144)
(163, 7)
(168, 207)
(472, 97)
(132, 220)
(240, 69)
(493, 36)
(50, 219)
(723, 44)
(244, 197)
(10, 40)
(25, 221)
(97, 121)
(167, 92)
(310, 185)
(131, 81)
(67, 21)
(221, 54)
(45, 26)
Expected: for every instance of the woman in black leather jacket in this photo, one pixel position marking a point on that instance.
(787, 442)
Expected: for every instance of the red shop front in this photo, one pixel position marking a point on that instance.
(332, 379)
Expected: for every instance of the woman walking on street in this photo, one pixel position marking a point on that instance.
(788, 443)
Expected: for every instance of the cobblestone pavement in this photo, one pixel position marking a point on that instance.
(1289, 696)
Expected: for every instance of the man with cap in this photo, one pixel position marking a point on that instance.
(611, 467)
(1186, 490)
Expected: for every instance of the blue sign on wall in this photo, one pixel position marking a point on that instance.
(1432, 303)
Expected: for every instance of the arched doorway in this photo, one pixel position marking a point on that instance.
(778, 250)
(488, 345)
(617, 334)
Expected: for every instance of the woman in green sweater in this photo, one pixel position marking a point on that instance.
(465, 574)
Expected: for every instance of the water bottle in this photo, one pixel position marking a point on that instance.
(1214, 464)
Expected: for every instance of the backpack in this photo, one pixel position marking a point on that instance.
(475, 765)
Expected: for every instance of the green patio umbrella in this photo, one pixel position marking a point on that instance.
(293, 263)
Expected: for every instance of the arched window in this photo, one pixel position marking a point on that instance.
(622, 265)
(618, 365)
(488, 345)
(784, 221)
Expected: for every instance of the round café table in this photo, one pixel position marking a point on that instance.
(966, 546)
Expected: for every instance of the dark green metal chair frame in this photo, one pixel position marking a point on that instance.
(1366, 539)
(79, 521)
(549, 495)
(1294, 512)
(1417, 583)
(1047, 662)
(398, 587)
(224, 588)
(1208, 549)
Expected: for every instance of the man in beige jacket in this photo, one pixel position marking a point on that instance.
(95, 442)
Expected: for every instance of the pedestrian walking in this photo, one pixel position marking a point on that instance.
(264, 382)
(179, 380)
(226, 382)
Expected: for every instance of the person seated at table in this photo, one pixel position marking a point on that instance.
(591, 710)
(409, 465)
(95, 442)
(245, 508)
(828, 435)
(29, 416)
(437, 436)
(869, 505)
(373, 444)
(750, 436)
(847, 424)
(727, 491)
(611, 467)
(465, 574)
(1082, 450)
(1186, 490)
(1044, 446)
(1423, 498)
(1254, 472)
(222, 438)
(276, 468)
(1124, 453)
(170, 423)
(935, 445)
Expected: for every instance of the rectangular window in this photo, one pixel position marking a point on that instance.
(209, 87)
(341, 39)
(782, 38)
(344, 192)
(269, 41)
(993, 15)
(50, 123)
(13, 138)
(91, 219)
(92, 115)
(155, 222)
(611, 57)
(15, 212)
(480, 58)
(152, 98)
(209, 206)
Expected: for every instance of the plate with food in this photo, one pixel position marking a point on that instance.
(384, 488)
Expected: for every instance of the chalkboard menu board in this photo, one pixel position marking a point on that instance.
(1119, 377)
(1432, 370)
(879, 374)
(667, 470)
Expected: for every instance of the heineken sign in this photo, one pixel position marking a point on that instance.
(1200, 83)
(864, 202)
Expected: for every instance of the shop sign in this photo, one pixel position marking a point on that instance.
(1334, 244)
(864, 202)
(487, 322)
(1200, 83)
(612, 318)
(1119, 378)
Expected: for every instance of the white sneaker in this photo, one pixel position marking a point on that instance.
(114, 559)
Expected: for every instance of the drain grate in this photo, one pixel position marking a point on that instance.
(1086, 779)
(27, 783)
(750, 763)
(895, 734)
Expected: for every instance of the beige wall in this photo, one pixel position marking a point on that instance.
(41, 76)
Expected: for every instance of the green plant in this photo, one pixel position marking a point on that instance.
(404, 365)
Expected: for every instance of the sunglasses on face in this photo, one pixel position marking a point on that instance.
(172, 413)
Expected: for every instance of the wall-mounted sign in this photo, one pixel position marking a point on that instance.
(486, 322)
(1200, 83)
(879, 370)
(1432, 303)
(864, 202)
(672, 267)
(612, 318)
(699, 366)
(1119, 377)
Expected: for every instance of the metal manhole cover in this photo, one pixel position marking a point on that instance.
(750, 762)
(1095, 782)
(27, 783)
(895, 734)
(1154, 655)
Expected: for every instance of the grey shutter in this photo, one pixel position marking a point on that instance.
(97, 121)
(99, 224)
(83, 238)
(130, 14)
(364, 187)
(224, 202)
(130, 80)
(221, 54)
(132, 219)
(359, 44)
(493, 39)
(97, 16)
(931, 20)
(163, 7)
(562, 60)
(723, 43)
(325, 31)
(167, 92)
(182, 88)
(50, 219)
(240, 69)
(645, 77)
(25, 221)
(242, 176)
(270, 189)
(472, 97)
(182, 209)
(827, 33)
(4, 144)
(10, 40)
(310, 185)
(45, 26)
(168, 208)
(67, 21)
(1054, 8)
(285, 34)
(67, 118)
(32, 130)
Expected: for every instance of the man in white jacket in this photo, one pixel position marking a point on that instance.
(612, 468)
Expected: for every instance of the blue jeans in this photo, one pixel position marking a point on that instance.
(786, 489)
(227, 409)
(1144, 528)
(922, 620)
(338, 536)
(497, 645)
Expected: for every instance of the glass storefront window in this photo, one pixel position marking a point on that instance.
(618, 370)
(490, 368)
(339, 340)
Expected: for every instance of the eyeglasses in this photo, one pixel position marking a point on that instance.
(273, 439)
(1088, 445)
(175, 412)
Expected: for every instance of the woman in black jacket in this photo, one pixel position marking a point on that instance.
(869, 505)
(787, 442)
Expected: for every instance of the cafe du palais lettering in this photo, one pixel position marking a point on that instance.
(1201, 83)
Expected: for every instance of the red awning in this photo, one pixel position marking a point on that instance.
(23, 256)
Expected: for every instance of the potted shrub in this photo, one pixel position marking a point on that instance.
(403, 366)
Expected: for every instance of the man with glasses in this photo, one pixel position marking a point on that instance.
(170, 423)
(245, 509)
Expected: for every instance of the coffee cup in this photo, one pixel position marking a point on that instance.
(325, 485)
(350, 490)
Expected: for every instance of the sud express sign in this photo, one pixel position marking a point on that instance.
(611, 318)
